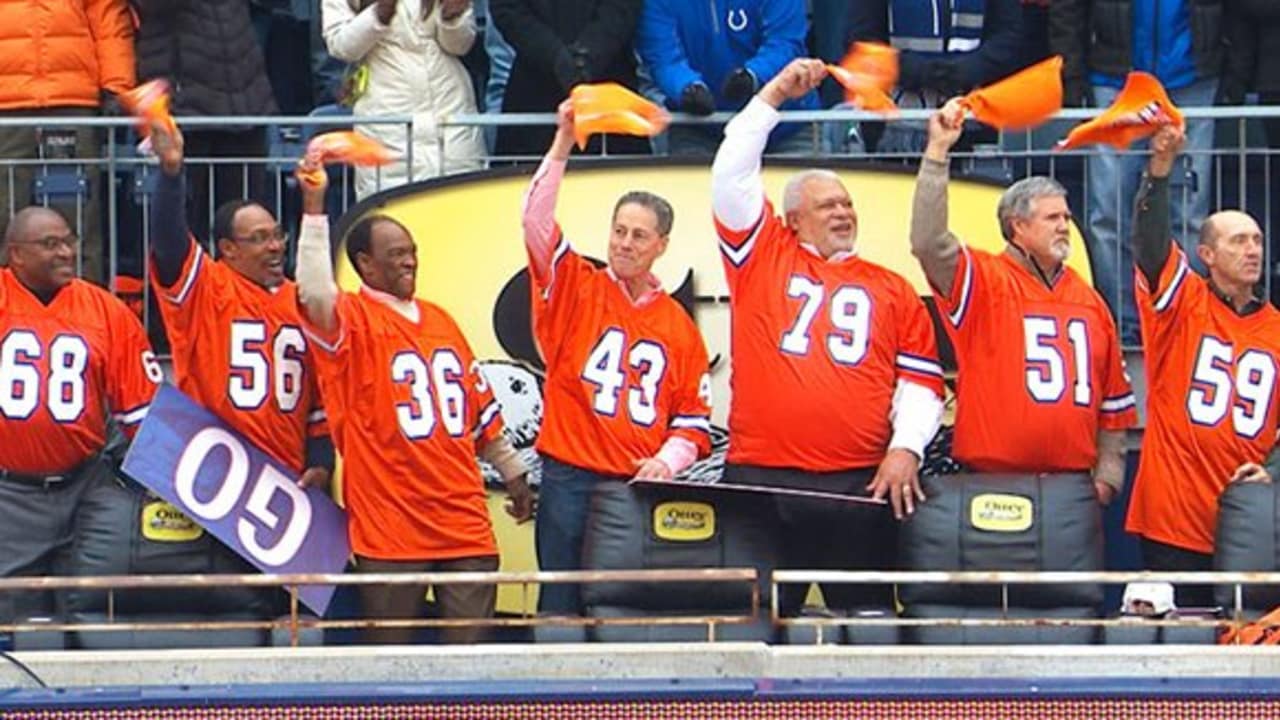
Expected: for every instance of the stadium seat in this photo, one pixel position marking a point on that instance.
(647, 527)
(60, 184)
(24, 640)
(1139, 632)
(123, 530)
(1003, 522)
(847, 634)
(1247, 542)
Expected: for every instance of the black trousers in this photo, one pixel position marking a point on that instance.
(828, 534)
(1161, 556)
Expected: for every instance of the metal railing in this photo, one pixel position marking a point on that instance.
(1235, 616)
(297, 620)
(1241, 172)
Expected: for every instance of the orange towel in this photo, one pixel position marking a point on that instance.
(341, 146)
(868, 73)
(1022, 100)
(1138, 112)
(611, 108)
(149, 102)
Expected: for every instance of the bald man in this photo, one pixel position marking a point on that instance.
(1213, 357)
(70, 353)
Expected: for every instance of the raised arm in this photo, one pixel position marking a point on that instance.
(350, 35)
(170, 238)
(456, 31)
(737, 192)
(317, 289)
(932, 242)
(1152, 229)
(539, 213)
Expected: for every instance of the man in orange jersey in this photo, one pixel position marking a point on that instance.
(233, 324)
(70, 356)
(410, 413)
(627, 392)
(1041, 384)
(836, 382)
(1212, 354)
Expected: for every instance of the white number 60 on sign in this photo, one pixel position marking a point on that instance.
(228, 496)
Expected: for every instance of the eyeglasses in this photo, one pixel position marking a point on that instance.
(261, 237)
(53, 242)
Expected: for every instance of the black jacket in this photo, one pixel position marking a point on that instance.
(1250, 66)
(208, 51)
(559, 43)
(1097, 36)
(1000, 53)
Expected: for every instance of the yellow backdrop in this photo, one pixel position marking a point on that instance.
(469, 245)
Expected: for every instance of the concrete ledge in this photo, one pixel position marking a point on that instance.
(133, 668)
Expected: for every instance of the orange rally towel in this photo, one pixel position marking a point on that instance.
(342, 146)
(611, 108)
(868, 73)
(149, 102)
(1022, 100)
(1140, 109)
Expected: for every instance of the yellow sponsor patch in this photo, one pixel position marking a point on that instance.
(996, 512)
(684, 521)
(162, 522)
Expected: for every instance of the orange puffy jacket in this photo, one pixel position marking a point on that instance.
(62, 53)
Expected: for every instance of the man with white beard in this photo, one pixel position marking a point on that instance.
(1041, 386)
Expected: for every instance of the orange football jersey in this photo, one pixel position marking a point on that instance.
(239, 350)
(408, 409)
(620, 378)
(818, 349)
(1040, 370)
(1213, 403)
(63, 367)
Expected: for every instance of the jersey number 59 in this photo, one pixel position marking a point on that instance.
(1216, 391)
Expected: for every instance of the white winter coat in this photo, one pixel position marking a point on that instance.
(414, 69)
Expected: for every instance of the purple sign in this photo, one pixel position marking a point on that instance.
(246, 499)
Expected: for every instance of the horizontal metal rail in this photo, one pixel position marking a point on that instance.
(1032, 577)
(295, 621)
(1005, 578)
(1232, 112)
(128, 582)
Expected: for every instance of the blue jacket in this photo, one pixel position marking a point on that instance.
(684, 41)
(1161, 44)
(1180, 41)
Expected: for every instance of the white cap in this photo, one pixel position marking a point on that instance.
(1158, 595)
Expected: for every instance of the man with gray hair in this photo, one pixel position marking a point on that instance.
(627, 392)
(1037, 349)
(836, 381)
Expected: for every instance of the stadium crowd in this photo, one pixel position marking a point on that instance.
(388, 381)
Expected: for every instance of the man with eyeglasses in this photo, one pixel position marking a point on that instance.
(233, 324)
(71, 356)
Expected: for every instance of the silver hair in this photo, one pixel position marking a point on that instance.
(1016, 201)
(656, 204)
(792, 193)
